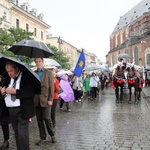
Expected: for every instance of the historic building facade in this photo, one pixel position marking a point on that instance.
(132, 35)
(20, 15)
(72, 52)
(62, 45)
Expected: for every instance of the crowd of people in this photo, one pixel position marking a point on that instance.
(19, 101)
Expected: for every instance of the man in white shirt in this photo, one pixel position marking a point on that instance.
(19, 98)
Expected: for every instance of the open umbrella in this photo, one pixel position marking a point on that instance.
(93, 67)
(104, 69)
(62, 72)
(48, 63)
(124, 55)
(31, 48)
(24, 68)
(72, 69)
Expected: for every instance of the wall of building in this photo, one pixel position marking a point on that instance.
(30, 17)
(67, 48)
(5, 13)
(133, 39)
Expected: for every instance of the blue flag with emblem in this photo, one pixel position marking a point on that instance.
(80, 65)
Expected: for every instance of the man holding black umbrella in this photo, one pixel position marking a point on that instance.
(19, 98)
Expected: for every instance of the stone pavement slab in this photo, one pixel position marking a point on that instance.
(146, 91)
(97, 125)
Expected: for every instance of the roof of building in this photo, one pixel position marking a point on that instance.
(133, 14)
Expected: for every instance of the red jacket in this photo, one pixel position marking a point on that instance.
(56, 89)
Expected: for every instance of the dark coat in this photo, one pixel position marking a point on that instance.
(4, 113)
(103, 80)
(26, 96)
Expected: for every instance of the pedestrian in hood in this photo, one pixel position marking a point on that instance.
(67, 95)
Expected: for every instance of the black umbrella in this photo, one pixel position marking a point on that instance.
(31, 48)
(22, 67)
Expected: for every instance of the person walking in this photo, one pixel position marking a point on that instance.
(103, 79)
(55, 100)
(4, 122)
(67, 95)
(77, 87)
(94, 79)
(86, 84)
(44, 101)
(148, 78)
(4, 118)
(18, 93)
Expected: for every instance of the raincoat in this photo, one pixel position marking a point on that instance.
(67, 94)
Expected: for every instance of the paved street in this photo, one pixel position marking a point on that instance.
(98, 125)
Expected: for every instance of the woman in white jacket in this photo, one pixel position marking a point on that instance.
(94, 79)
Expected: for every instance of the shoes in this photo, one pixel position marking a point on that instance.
(53, 139)
(5, 145)
(69, 110)
(41, 141)
(79, 100)
(76, 101)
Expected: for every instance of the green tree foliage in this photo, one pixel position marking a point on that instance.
(6, 40)
(60, 57)
(20, 34)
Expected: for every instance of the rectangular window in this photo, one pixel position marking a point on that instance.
(5, 16)
(17, 23)
(41, 35)
(27, 27)
(35, 32)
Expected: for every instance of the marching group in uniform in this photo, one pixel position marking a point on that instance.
(127, 73)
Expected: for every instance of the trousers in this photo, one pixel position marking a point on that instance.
(21, 128)
(53, 112)
(43, 116)
(5, 129)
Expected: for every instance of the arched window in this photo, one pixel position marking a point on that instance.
(136, 56)
(148, 59)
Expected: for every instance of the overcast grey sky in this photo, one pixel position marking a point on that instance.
(83, 23)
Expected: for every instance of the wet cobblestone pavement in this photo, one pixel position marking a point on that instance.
(98, 125)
